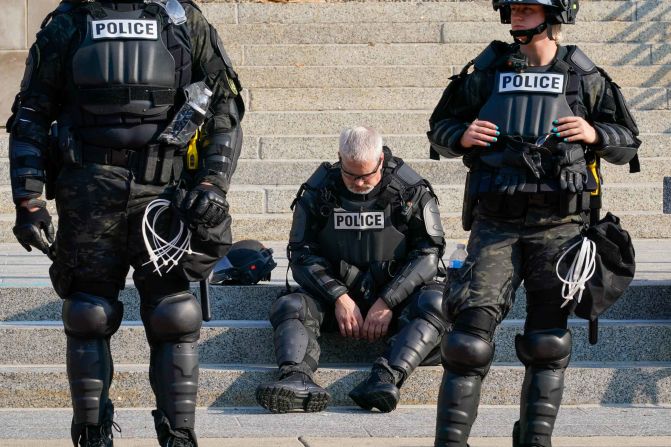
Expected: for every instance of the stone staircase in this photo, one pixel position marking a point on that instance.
(310, 69)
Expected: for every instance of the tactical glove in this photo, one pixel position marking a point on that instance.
(523, 156)
(510, 179)
(572, 168)
(31, 224)
(205, 205)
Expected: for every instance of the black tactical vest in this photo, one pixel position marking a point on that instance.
(525, 104)
(126, 73)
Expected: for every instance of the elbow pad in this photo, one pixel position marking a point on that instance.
(618, 144)
(445, 138)
(419, 271)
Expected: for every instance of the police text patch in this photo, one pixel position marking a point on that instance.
(531, 82)
(372, 220)
(125, 29)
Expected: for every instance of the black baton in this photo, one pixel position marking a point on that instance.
(205, 299)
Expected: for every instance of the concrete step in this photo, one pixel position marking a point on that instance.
(387, 122)
(231, 385)
(39, 303)
(639, 224)
(277, 199)
(398, 98)
(250, 341)
(410, 76)
(394, 12)
(429, 54)
(429, 32)
(607, 426)
(325, 147)
(451, 171)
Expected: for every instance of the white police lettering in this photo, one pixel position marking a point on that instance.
(531, 82)
(373, 220)
(125, 29)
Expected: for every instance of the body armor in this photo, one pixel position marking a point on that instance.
(120, 103)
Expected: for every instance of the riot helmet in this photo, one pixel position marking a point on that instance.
(247, 262)
(557, 12)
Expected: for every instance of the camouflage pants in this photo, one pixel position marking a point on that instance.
(100, 210)
(502, 254)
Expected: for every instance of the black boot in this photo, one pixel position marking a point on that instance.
(292, 392)
(169, 437)
(380, 389)
(98, 435)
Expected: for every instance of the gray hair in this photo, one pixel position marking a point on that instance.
(360, 144)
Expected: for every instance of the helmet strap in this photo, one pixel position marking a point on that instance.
(525, 36)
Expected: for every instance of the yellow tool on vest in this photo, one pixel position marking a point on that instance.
(192, 152)
(593, 168)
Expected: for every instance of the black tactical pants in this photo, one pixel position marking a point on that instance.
(100, 210)
(298, 321)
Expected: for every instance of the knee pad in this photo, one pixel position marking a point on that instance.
(90, 316)
(547, 349)
(287, 307)
(429, 307)
(467, 354)
(176, 318)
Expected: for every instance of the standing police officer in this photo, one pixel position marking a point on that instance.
(112, 74)
(364, 246)
(531, 122)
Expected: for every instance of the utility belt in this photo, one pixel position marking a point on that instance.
(155, 164)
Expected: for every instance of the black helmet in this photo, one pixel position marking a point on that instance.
(248, 262)
(556, 11)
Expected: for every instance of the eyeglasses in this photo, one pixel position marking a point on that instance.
(364, 177)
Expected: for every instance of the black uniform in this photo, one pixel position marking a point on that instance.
(385, 244)
(526, 197)
(111, 74)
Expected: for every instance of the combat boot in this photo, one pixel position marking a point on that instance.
(96, 436)
(380, 389)
(179, 438)
(292, 392)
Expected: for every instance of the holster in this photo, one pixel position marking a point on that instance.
(470, 201)
(53, 164)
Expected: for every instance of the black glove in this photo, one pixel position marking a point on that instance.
(205, 205)
(572, 168)
(510, 180)
(522, 155)
(30, 225)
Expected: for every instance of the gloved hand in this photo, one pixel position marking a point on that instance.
(205, 205)
(510, 180)
(521, 156)
(31, 224)
(572, 167)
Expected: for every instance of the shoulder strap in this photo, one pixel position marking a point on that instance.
(63, 7)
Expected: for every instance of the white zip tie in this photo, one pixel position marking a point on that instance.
(162, 253)
(581, 270)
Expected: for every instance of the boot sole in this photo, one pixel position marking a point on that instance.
(278, 399)
(380, 400)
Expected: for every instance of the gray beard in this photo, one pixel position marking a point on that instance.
(367, 191)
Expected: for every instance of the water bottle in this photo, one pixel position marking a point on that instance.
(189, 118)
(458, 257)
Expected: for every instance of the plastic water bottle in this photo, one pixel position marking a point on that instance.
(458, 257)
(189, 118)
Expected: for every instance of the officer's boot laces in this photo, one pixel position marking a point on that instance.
(100, 435)
(181, 438)
(380, 389)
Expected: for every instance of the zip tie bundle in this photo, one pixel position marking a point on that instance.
(581, 270)
(164, 254)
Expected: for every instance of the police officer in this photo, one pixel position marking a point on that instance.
(531, 121)
(112, 75)
(364, 247)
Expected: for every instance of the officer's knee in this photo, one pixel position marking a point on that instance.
(176, 318)
(90, 316)
(550, 349)
(468, 349)
(429, 307)
(287, 307)
(466, 353)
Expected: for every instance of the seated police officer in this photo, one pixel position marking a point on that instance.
(113, 75)
(364, 247)
(532, 122)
